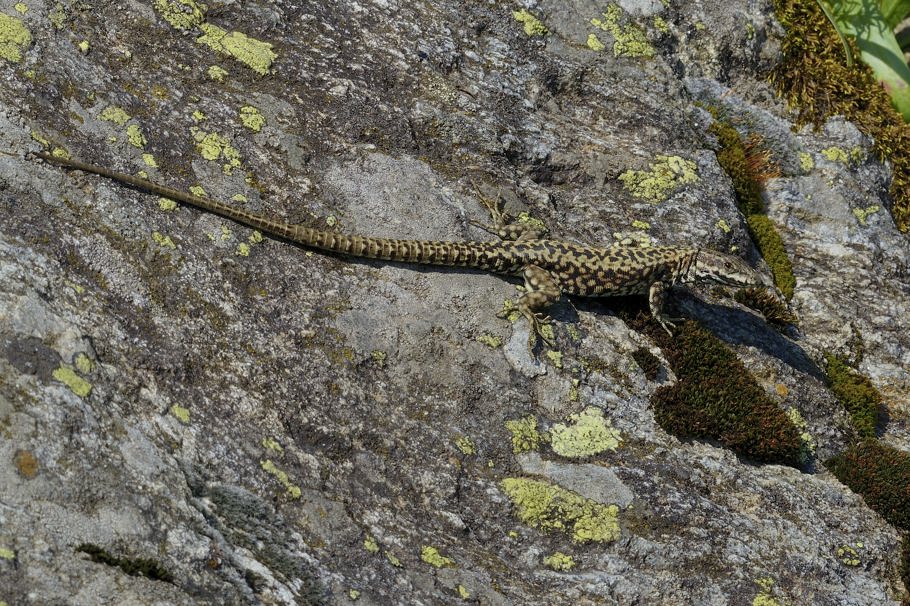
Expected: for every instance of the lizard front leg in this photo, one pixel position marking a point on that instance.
(541, 291)
(657, 296)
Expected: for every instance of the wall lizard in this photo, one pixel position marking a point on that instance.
(550, 268)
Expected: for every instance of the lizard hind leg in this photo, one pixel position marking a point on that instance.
(501, 226)
(541, 291)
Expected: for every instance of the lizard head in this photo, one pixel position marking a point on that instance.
(712, 266)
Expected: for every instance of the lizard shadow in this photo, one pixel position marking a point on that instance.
(737, 326)
(730, 324)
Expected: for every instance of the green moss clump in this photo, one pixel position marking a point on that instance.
(748, 168)
(716, 398)
(648, 362)
(732, 158)
(772, 249)
(814, 78)
(856, 394)
(880, 474)
(145, 567)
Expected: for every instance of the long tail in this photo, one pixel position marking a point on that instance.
(464, 254)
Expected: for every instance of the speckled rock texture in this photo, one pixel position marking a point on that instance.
(235, 420)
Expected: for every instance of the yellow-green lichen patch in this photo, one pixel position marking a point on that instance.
(532, 25)
(764, 597)
(239, 198)
(835, 154)
(431, 556)
(393, 560)
(588, 434)
(252, 118)
(370, 544)
(135, 137)
(57, 16)
(549, 507)
(490, 340)
(115, 114)
(74, 382)
(83, 46)
(463, 593)
(664, 177)
(559, 561)
(181, 14)
(661, 25)
(83, 363)
(525, 436)
(198, 116)
(465, 445)
(40, 138)
(7, 554)
(198, 190)
(225, 233)
(378, 356)
(20, 8)
(273, 445)
(848, 555)
(629, 40)
(217, 74)
(594, 43)
(808, 449)
(167, 204)
(353, 594)
(14, 38)
(243, 249)
(180, 413)
(255, 54)
(806, 162)
(641, 224)
(293, 490)
(213, 146)
(723, 226)
(163, 240)
(862, 214)
(526, 218)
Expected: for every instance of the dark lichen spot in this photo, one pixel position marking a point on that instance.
(856, 394)
(814, 78)
(144, 567)
(648, 362)
(767, 304)
(715, 398)
(880, 474)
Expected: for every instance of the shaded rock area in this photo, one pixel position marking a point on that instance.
(190, 413)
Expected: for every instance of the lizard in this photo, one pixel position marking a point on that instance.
(550, 268)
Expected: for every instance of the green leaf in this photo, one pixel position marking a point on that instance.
(878, 47)
(895, 11)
